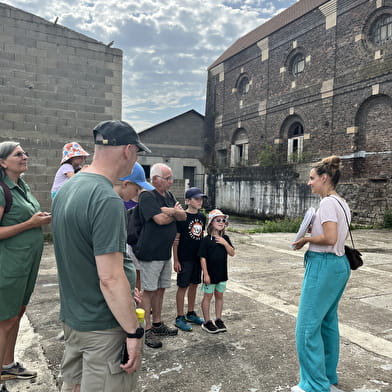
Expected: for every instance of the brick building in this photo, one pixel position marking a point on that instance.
(313, 81)
(55, 86)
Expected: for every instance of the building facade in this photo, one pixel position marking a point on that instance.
(179, 143)
(313, 81)
(55, 86)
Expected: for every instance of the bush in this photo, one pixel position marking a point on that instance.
(388, 219)
(285, 225)
(269, 156)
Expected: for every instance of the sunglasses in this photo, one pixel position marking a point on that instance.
(219, 220)
(20, 154)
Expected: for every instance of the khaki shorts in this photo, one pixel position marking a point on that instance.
(155, 274)
(92, 359)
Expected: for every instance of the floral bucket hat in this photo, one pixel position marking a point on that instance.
(71, 150)
(214, 213)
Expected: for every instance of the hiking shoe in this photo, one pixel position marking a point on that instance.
(220, 325)
(182, 324)
(209, 327)
(164, 330)
(151, 340)
(17, 371)
(192, 317)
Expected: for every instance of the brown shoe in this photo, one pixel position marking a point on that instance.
(151, 340)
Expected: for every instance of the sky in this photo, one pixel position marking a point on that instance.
(167, 44)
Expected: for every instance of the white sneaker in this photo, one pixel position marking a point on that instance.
(332, 388)
(297, 388)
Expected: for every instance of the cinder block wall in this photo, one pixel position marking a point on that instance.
(55, 86)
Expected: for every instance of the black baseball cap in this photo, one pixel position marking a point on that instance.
(194, 192)
(117, 133)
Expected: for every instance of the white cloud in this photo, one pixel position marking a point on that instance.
(167, 44)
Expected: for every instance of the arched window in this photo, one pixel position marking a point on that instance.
(381, 31)
(297, 65)
(295, 142)
(243, 85)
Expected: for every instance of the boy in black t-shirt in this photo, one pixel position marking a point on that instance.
(186, 259)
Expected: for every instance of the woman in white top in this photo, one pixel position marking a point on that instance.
(327, 271)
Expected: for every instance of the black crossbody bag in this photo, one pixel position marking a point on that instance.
(354, 255)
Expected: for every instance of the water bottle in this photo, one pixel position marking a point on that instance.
(140, 316)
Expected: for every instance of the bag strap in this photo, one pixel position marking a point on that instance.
(7, 196)
(345, 214)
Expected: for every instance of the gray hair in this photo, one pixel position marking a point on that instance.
(156, 169)
(6, 149)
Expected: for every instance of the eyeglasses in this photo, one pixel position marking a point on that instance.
(219, 220)
(20, 154)
(169, 178)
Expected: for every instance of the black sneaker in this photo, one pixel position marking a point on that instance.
(220, 325)
(151, 340)
(164, 330)
(209, 327)
(17, 371)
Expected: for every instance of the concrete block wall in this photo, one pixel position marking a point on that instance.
(55, 86)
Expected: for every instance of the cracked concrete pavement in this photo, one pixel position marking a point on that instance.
(257, 354)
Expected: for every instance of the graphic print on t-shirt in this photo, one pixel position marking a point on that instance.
(195, 229)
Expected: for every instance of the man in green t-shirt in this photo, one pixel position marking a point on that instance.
(89, 233)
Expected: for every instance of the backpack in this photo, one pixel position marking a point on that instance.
(8, 197)
(134, 225)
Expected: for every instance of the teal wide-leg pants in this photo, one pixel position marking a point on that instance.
(317, 330)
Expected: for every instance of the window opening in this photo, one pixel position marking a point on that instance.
(298, 64)
(382, 29)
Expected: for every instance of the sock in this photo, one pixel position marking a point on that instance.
(191, 313)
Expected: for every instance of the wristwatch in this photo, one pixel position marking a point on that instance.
(137, 335)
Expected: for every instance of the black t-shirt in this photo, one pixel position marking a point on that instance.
(216, 257)
(191, 232)
(155, 241)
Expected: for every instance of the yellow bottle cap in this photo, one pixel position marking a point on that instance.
(140, 314)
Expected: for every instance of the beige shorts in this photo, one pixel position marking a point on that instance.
(92, 359)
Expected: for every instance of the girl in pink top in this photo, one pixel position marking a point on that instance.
(73, 158)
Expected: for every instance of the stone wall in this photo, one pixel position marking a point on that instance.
(55, 86)
(342, 99)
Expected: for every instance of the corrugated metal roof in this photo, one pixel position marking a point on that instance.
(290, 14)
